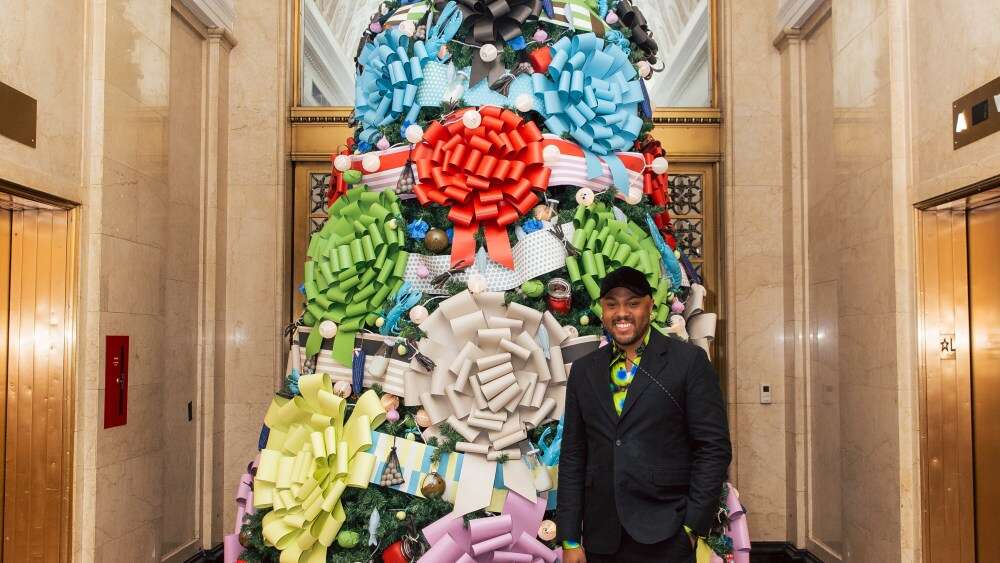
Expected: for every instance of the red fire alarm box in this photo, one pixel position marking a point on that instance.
(115, 381)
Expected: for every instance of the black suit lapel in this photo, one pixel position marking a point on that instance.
(653, 361)
(599, 374)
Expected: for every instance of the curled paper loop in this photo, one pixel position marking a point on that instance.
(312, 456)
(487, 176)
(386, 89)
(356, 263)
(591, 92)
(632, 18)
(606, 244)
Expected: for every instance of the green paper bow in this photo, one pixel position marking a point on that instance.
(605, 244)
(356, 264)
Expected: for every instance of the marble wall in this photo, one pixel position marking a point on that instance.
(752, 195)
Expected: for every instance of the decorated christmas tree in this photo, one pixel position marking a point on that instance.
(500, 166)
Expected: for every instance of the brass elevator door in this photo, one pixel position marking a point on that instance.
(984, 300)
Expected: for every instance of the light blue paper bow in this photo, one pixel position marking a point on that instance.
(386, 90)
(591, 92)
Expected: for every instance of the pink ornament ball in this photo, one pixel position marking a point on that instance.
(382, 144)
(540, 36)
(392, 416)
(611, 18)
(375, 27)
(422, 272)
(677, 307)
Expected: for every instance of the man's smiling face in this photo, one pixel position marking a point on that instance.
(626, 315)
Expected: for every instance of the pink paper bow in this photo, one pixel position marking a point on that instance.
(506, 538)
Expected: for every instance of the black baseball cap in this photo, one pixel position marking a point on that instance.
(629, 278)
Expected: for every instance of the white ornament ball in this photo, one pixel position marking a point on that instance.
(660, 165)
(645, 69)
(371, 162)
(342, 389)
(634, 196)
(407, 28)
(342, 162)
(328, 329)
(472, 119)
(488, 53)
(524, 103)
(585, 197)
(414, 134)
(476, 283)
(419, 314)
(551, 154)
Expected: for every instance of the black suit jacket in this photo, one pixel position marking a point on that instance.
(659, 465)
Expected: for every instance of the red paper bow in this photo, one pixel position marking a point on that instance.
(338, 186)
(657, 187)
(486, 175)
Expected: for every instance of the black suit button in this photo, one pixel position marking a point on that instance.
(618, 442)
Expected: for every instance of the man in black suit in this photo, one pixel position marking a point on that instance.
(646, 447)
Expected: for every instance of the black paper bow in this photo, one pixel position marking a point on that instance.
(494, 22)
(632, 18)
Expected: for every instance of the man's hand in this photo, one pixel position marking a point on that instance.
(694, 541)
(575, 555)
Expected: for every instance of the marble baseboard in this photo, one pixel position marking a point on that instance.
(780, 552)
(761, 552)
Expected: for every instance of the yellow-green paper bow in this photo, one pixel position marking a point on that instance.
(312, 456)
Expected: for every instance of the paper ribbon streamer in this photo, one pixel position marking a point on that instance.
(537, 254)
(486, 175)
(576, 14)
(632, 18)
(492, 389)
(392, 381)
(447, 24)
(338, 186)
(386, 90)
(312, 456)
(670, 263)
(656, 186)
(244, 506)
(606, 244)
(355, 264)
(507, 537)
(591, 92)
(415, 463)
(408, 11)
(569, 170)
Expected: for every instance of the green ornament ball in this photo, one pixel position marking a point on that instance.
(401, 515)
(352, 177)
(348, 539)
(411, 436)
(584, 320)
(401, 350)
(532, 288)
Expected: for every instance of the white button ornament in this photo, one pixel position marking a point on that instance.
(419, 314)
(634, 196)
(488, 53)
(328, 329)
(342, 162)
(407, 28)
(525, 103)
(472, 119)
(659, 165)
(371, 162)
(585, 197)
(551, 154)
(414, 134)
(645, 70)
